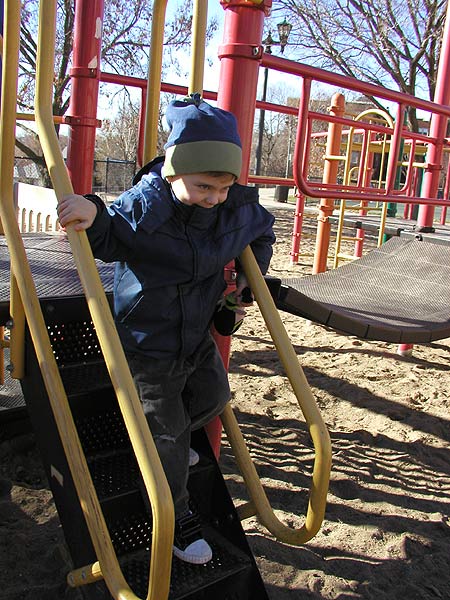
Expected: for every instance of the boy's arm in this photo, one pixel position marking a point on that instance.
(109, 242)
(262, 248)
(258, 221)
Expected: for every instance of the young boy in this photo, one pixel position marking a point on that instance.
(171, 236)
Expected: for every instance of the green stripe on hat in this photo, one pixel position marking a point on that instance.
(202, 157)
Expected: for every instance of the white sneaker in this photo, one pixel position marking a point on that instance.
(193, 457)
(189, 544)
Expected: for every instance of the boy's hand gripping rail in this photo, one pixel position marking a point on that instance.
(317, 428)
(107, 566)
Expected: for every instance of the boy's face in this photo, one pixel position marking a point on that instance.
(201, 189)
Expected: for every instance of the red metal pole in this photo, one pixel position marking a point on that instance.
(326, 206)
(438, 130)
(82, 112)
(300, 203)
(240, 55)
(298, 225)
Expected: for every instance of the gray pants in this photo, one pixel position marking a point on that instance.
(179, 396)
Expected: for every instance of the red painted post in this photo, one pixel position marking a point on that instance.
(298, 225)
(329, 176)
(82, 112)
(240, 55)
(299, 213)
(438, 130)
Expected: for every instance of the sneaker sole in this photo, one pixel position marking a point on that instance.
(194, 458)
(193, 560)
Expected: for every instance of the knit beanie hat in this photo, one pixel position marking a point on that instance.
(202, 138)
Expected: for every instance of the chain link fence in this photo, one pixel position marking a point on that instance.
(111, 177)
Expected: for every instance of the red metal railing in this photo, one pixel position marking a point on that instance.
(331, 190)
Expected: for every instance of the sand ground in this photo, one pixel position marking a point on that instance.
(386, 533)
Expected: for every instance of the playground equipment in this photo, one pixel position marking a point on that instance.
(65, 338)
(36, 208)
(369, 146)
(364, 163)
(402, 149)
(330, 188)
(66, 353)
(397, 293)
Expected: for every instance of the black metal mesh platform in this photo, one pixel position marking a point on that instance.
(398, 293)
(206, 581)
(55, 276)
(52, 267)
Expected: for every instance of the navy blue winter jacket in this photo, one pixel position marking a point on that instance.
(170, 260)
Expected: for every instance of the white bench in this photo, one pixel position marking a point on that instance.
(35, 208)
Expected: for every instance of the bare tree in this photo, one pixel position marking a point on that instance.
(380, 41)
(125, 47)
(117, 138)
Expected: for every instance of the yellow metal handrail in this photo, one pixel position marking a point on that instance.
(198, 46)
(154, 80)
(140, 436)
(317, 429)
(155, 67)
(19, 264)
(306, 400)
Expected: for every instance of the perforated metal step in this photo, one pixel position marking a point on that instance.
(225, 577)
(231, 575)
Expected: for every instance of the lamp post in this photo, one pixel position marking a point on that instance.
(284, 29)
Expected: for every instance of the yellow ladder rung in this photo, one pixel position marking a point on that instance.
(346, 256)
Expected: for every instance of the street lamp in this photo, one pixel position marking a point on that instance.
(284, 29)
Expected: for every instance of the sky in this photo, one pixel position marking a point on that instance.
(212, 62)
(211, 76)
(212, 71)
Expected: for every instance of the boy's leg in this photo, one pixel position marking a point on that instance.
(207, 390)
(160, 384)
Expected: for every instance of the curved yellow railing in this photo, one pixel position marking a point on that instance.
(317, 429)
(154, 478)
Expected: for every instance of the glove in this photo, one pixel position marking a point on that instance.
(228, 316)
